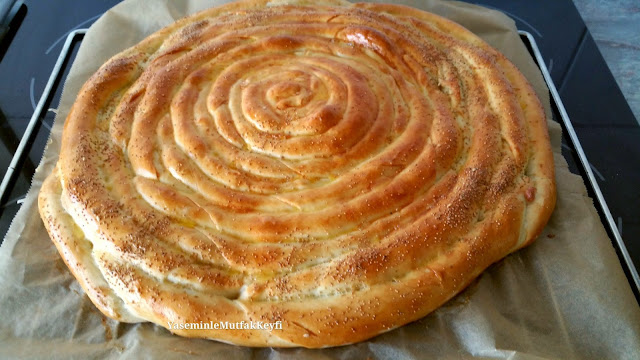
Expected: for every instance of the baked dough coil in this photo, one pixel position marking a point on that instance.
(344, 169)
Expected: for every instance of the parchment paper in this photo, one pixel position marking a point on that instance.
(564, 297)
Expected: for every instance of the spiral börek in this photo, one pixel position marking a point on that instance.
(342, 169)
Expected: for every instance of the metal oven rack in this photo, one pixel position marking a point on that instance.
(22, 150)
(584, 166)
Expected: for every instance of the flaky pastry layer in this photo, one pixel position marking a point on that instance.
(342, 168)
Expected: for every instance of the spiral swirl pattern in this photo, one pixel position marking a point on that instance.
(342, 168)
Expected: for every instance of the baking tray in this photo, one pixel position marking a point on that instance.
(578, 162)
(572, 149)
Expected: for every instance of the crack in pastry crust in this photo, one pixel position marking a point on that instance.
(344, 169)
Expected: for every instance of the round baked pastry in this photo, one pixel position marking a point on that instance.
(341, 169)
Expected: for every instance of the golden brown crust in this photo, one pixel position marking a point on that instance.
(344, 169)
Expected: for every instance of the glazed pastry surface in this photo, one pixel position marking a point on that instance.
(342, 168)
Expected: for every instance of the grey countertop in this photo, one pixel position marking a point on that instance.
(615, 26)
